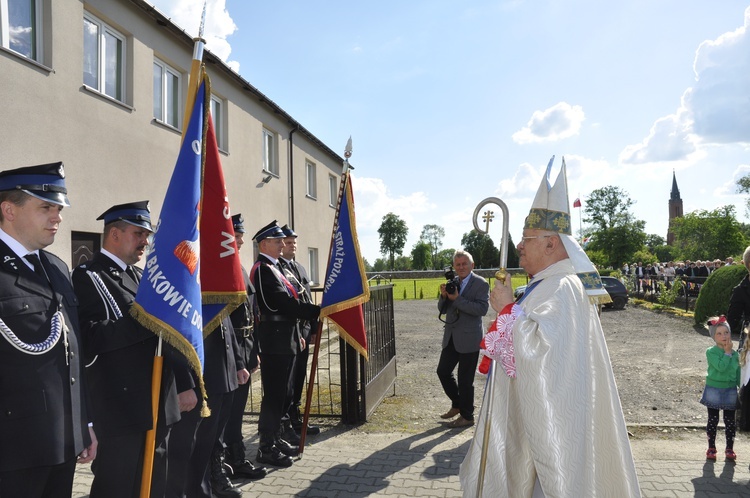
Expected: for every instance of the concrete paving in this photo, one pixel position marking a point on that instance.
(352, 463)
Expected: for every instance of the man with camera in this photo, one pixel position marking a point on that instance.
(464, 300)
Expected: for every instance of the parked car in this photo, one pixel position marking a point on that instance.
(614, 288)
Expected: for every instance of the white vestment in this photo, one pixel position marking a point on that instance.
(560, 419)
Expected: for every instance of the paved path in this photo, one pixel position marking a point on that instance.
(352, 463)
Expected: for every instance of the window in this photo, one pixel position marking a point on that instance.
(312, 257)
(166, 94)
(270, 160)
(83, 246)
(312, 190)
(333, 191)
(103, 58)
(217, 113)
(20, 27)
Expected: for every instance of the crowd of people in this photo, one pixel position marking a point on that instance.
(648, 279)
(76, 367)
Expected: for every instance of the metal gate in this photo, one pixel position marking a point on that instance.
(346, 385)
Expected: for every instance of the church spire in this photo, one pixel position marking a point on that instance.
(675, 196)
(675, 208)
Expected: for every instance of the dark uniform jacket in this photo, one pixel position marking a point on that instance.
(222, 359)
(43, 401)
(277, 331)
(120, 354)
(243, 323)
(301, 282)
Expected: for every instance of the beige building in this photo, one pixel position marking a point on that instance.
(101, 85)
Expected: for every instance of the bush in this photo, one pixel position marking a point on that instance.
(715, 294)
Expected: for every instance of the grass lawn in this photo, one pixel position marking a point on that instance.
(429, 288)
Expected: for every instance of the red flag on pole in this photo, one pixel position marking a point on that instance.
(577, 202)
(222, 284)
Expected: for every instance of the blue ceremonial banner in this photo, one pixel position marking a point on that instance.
(345, 287)
(168, 301)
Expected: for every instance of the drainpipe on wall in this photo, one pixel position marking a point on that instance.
(291, 178)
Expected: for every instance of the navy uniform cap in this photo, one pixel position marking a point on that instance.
(135, 213)
(239, 223)
(288, 232)
(270, 231)
(45, 182)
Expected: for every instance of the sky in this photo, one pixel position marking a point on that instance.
(449, 103)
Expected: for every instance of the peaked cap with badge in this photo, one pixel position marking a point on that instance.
(135, 213)
(45, 182)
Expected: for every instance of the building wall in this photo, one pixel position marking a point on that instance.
(116, 152)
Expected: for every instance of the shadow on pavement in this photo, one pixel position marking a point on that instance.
(375, 469)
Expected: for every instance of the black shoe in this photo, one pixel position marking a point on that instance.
(239, 465)
(312, 430)
(286, 448)
(246, 470)
(288, 434)
(271, 455)
(221, 486)
(225, 489)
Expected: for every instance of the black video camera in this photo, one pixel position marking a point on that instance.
(453, 283)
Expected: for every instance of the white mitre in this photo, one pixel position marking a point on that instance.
(551, 211)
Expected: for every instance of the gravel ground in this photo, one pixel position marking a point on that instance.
(658, 360)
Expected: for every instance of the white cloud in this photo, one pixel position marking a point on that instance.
(560, 121)
(715, 110)
(669, 140)
(373, 201)
(219, 24)
(719, 101)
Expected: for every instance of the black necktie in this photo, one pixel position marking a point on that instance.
(132, 274)
(37, 264)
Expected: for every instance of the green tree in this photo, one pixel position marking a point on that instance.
(368, 266)
(489, 254)
(380, 265)
(614, 230)
(392, 232)
(433, 236)
(653, 241)
(706, 234)
(743, 187)
(403, 263)
(480, 246)
(512, 254)
(444, 258)
(421, 256)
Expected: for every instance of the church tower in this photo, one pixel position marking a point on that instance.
(675, 208)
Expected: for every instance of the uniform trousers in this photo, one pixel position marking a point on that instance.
(209, 430)
(299, 374)
(119, 465)
(275, 375)
(233, 429)
(53, 481)
(461, 393)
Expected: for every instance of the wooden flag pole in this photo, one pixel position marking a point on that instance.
(148, 452)
(310, 387)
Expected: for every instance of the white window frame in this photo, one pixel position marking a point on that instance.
(312, 265)
(166, 93)
(270, 152)
(101, 83)
(333, 190)
(219, 123)
(37, 24)
(311, 180)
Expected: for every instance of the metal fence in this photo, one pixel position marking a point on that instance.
(653, 287)
(346, 386)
